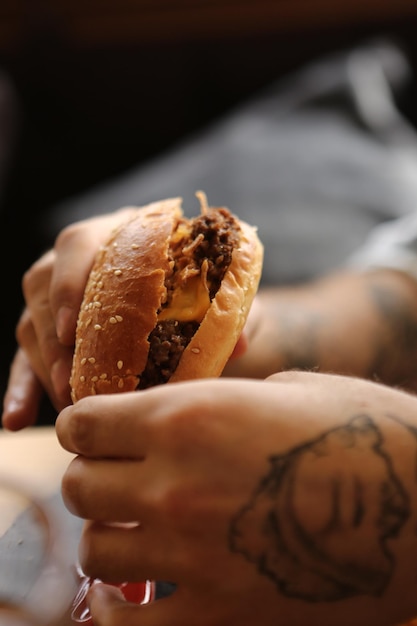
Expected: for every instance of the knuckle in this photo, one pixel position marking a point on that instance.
(24, 328)
(35, 275)
(79, 430)
(29, 278)
(67, 235)
(187, 430)
(49, 347)
(89, 554)
(172, 504)
(71, 486)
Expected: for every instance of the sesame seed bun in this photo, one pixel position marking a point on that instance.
(128, 294)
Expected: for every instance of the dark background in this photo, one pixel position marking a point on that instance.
(99, 87)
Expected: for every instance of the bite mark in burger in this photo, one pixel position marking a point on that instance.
(166, 299)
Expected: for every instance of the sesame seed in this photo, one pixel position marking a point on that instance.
(103, 376)
(82, 379)
(83, 360)
(91, 359)
(117, 272)
(113, 320)
(94, 379)
(121, 383)
(119, 318)
(97, 327)
(134, 246)
(119, 365)
(195, 350)
(98, 305)
(100, 284)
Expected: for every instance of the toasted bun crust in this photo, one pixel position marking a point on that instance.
(125, 290)
(121, 299)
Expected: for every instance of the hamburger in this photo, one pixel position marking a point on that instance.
(166, 299)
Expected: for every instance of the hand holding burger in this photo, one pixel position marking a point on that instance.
(53, 289)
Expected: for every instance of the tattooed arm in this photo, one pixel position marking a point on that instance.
(354, 323)
(287, 502)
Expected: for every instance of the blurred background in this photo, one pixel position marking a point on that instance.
(90, 89)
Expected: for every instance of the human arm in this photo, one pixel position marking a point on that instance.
(359, 320)
(360, 323)
(290, 501)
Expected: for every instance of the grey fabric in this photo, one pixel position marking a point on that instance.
(392, 244)
(316, 162)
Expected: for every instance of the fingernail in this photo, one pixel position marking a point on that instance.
(64, 319)
(11, 408)
(11, 418)
(12, 405)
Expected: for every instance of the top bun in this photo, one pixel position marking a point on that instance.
(128, 288)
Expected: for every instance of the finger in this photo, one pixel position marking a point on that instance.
(120, 491)
(23, 394)
(296, 377)
(111, 426)
(36, 331)
(102, 490)
(134, 553)
(108, 608)
(54, 381)
(245, 340)
(30, 352)
(127, 425)
(35, 284)
(240, 347)
(75, 251)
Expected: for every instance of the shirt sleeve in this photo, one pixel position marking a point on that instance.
(391, 244)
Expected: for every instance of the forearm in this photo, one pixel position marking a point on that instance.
(360, 324)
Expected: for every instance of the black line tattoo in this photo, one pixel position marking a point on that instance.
(319, 522)
(413, 431)
(401, 323)
(298, 338)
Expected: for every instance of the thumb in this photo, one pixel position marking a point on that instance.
(240, 347)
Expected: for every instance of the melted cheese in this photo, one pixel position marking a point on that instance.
(189, 302)
(182, 231)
